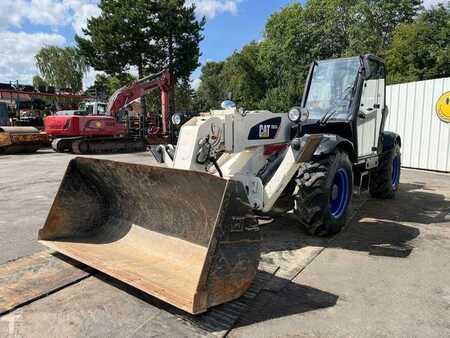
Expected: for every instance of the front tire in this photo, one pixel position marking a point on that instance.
(385, 180)
(323, 192)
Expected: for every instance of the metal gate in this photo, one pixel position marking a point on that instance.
(420, 113)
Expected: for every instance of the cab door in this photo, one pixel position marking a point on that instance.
(371, 108)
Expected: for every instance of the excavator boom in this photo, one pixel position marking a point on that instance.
(127, 94)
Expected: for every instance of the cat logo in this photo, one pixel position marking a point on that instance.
(266, 130)
(443, 107)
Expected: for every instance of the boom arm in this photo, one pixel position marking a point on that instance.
(241, 141)
(127, 94)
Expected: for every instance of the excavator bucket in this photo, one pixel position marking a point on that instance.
(15, 140)
(185, 237)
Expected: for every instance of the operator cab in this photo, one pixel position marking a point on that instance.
(94, 108)
(331, 89)
(346, 97)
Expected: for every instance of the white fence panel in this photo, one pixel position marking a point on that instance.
(413, 114)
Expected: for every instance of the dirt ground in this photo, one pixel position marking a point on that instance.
(386, 275)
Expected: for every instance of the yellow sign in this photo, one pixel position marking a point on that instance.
(443, 107)
(98, 124)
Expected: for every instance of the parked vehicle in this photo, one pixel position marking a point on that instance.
(105, 128)
(187, 233)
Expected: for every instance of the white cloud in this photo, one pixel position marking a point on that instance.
(45, 12)
(81, 16)
(17, 54)
(53, 13)
(18, 49)
(89, 77)
(431, 3)
(11, 14)
(211, 8)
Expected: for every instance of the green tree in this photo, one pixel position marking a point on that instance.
(39, 82)
(108, 84)
(121, 37)
(62, 67)
(178, 37)
(211, 91)
(271, 74)
(421, 50)
(243, 78)
(284, 58)
(183, 97)
(147, 34)
(374, 23)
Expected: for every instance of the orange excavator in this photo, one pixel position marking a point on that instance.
(83, 133)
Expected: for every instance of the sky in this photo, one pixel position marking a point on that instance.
(28, 25)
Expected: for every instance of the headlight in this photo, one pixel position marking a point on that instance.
(294, 114)
(176, 119)
(297, 114)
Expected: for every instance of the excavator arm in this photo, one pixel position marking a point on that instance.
(125, 95)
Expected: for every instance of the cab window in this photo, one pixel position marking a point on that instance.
(101, 109)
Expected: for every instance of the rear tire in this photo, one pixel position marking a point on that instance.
(323, 193)
(385, 180)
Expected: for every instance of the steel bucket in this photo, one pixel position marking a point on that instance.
(185, 237)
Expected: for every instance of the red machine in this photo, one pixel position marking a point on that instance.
(82, 134)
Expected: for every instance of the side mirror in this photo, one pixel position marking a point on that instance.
(228, 104)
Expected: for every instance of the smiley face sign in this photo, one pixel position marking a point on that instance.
(443, 107)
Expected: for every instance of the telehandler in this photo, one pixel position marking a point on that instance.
(187, 233)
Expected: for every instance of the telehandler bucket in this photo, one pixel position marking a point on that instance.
(15, 140)
(185, 237)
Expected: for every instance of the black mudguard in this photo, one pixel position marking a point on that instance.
(389, 139)
(330, 143)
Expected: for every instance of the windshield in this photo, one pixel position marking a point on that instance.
(332, 87)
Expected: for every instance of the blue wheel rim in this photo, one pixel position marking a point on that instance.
(396, 172)
(340, 193)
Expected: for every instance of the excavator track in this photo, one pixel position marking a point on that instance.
(62, 145)
(108, 145)
(84, 146)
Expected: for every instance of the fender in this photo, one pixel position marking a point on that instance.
(330, 143)
(389, 140)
